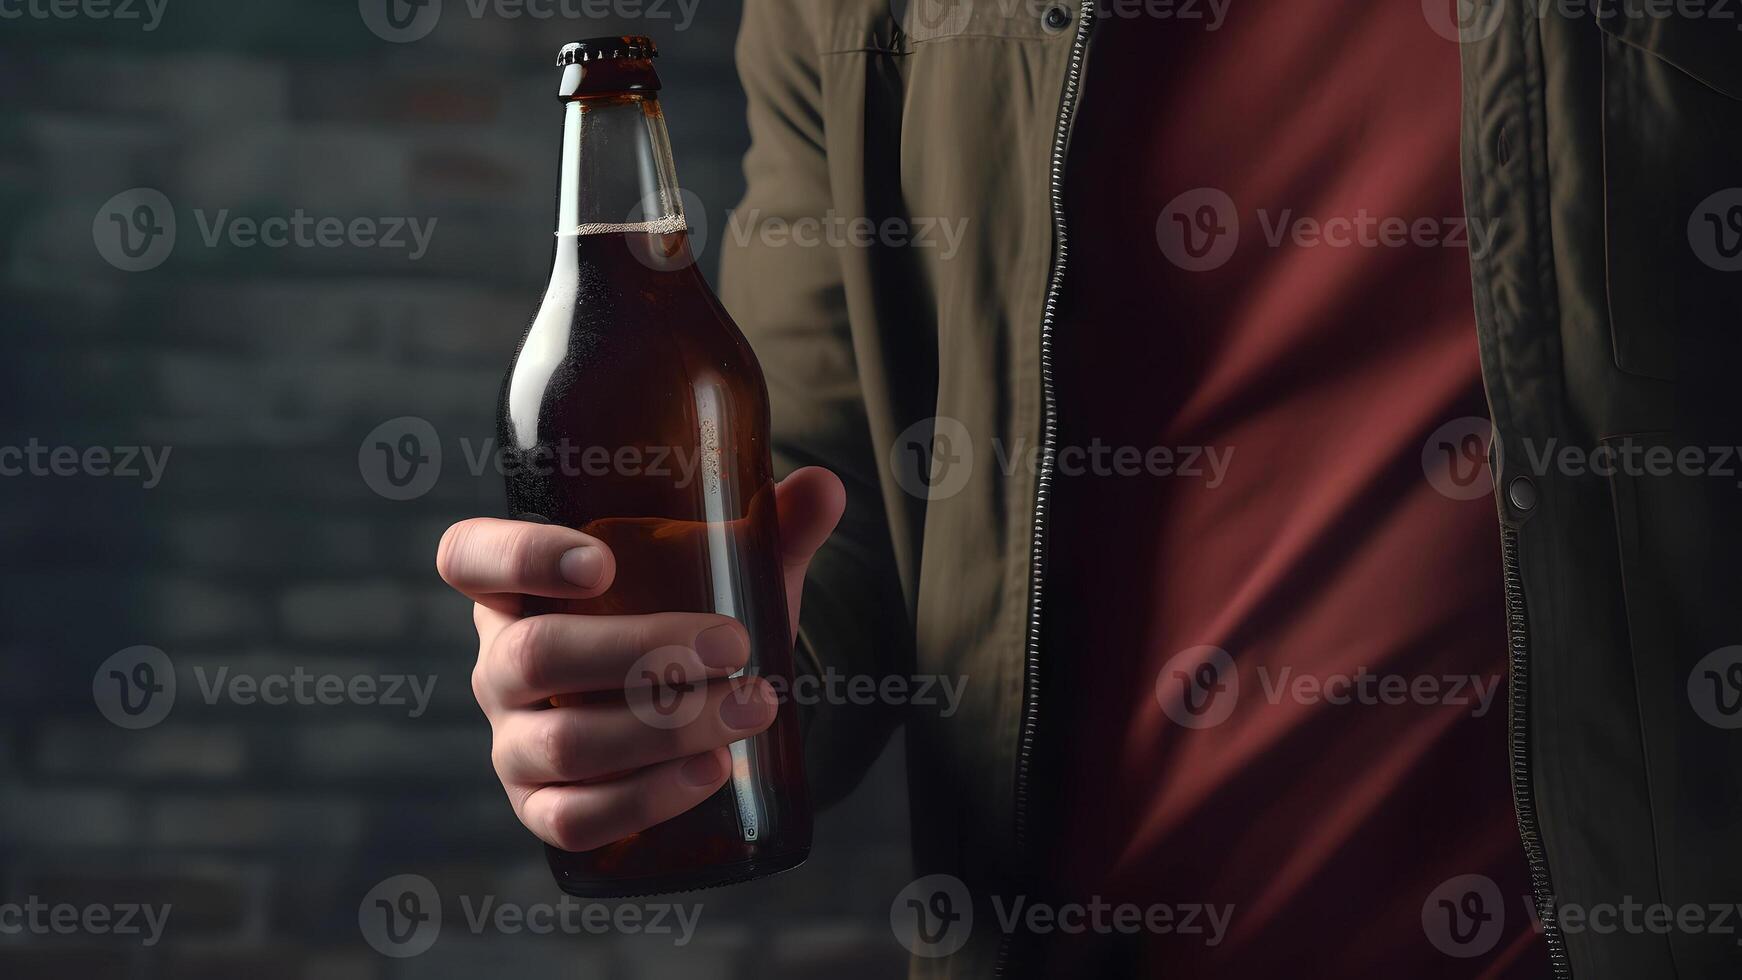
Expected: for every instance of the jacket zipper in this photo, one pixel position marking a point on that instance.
(1048, 438)
(1523, 789)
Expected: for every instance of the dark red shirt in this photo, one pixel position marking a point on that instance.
(1275, 634)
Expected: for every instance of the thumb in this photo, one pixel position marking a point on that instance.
(809, 505)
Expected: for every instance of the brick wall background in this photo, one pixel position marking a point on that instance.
(262, 372)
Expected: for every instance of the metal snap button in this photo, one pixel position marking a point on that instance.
(1057, 18)
(1522, 493)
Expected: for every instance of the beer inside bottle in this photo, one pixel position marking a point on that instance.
(636, 412)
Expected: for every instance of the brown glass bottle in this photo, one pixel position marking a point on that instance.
(636, 412)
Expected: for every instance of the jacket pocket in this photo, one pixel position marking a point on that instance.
(1672, 161)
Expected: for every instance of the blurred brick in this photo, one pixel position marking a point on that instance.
(168, 751)
(251, 821)
(403, 750)
(262, 962)
(247, 542)
(718, 950)
(345, 610)
(325, 964)
(27, 963)
(200, 904)
(459, 956)
(375, 93)
(191, 609)
(36, 817)
(841, 951)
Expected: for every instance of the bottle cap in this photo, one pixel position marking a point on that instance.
(606, 48)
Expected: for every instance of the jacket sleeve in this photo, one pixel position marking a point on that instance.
(789, 301)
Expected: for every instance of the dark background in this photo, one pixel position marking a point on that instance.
(264, 372)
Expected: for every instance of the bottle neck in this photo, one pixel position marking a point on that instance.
(617, 170)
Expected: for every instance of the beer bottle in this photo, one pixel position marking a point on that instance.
(635, 411)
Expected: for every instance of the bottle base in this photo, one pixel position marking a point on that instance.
(689, 881)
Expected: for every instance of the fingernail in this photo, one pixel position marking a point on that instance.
(703, 770)
(722, 646)
(583, 566)
(748, 707)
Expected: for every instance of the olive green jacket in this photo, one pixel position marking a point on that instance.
(1596, 154)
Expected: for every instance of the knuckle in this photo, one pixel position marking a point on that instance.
(571, 830)
(560, 752)
(520, 650)
(480, 683)
(520, 554)
(449, 551)
(632, 637)
(501, 758)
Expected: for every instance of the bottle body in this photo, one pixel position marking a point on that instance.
(635, 411)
